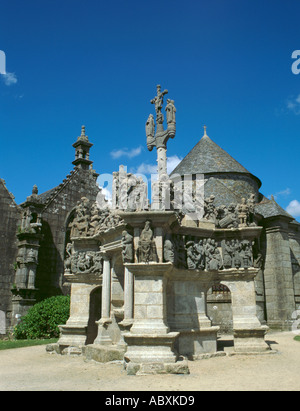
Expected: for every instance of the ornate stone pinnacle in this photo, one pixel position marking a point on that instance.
(83, 136)
(205, 135)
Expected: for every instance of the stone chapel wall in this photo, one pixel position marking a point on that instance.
(55, 218)
(10, 217)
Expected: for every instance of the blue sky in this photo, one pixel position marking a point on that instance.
(227, 64)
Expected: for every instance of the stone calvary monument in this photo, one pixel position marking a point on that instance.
(150, 268)
(155, 283)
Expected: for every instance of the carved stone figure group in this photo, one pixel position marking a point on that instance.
(205, 254)
(237, 254)
(129, 191)
(84, 262)
(232, 216)
(89, 220)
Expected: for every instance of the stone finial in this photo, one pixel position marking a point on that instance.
(83, 136)
(35, 190)
(205, 135)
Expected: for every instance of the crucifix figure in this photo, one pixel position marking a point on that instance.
(158, 138)
(158, 101)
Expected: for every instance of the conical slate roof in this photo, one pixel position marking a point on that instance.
(207, 157)
(269, 208)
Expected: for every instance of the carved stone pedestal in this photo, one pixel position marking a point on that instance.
(249, 334)
(250, 341)
(150, 345)
(72, 335)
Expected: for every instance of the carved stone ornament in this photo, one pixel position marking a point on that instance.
(83, 262)
(146, 247)
(127, 247)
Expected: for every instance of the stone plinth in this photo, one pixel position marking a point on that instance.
(74, 332)
(248, 332)
(151, 348)
(250, 340)
(194, 343)
(187, 291)
(149, 341)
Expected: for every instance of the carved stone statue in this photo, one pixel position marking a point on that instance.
(94, 220)
(236, 247)
(199, 250)
(191, 255)
(127, 247)
(171, 110)
(146, 245)
(69, 251)
(213, 258)
(80, 224)
(246, 254)
(150, 131)
(229, 218)
(169, 250)
(227, 254)
(209, 209)
(243, 213)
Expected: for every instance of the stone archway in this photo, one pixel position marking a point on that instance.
(219, 310)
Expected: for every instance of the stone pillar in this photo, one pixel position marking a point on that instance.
(162, 161)
(74, 332)
(278, 275)
(128, 295)
(248, 332)
(103, 336)
(187, 313)
(106, 289)
(149, 340)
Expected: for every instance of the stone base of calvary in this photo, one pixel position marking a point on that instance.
(140, 273)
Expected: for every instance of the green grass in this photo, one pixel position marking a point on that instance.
(297, 338)
(6, 345)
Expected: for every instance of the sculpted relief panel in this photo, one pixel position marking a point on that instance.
(206, 254)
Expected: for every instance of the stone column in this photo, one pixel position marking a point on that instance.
(248, 332)
(103, 336)
(278, 275)
(128, 295)
(187, 313)
(74, 332)
(149, 340)
(106, 289)
(162, 161)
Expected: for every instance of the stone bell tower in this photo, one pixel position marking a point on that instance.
(82, 151)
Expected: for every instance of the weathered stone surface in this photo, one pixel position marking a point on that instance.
(102, 353)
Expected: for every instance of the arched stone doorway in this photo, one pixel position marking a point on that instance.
(94, 314)
(219, 309)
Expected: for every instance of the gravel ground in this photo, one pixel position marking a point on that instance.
(33, 369)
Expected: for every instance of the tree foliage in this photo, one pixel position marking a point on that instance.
(43, 319)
